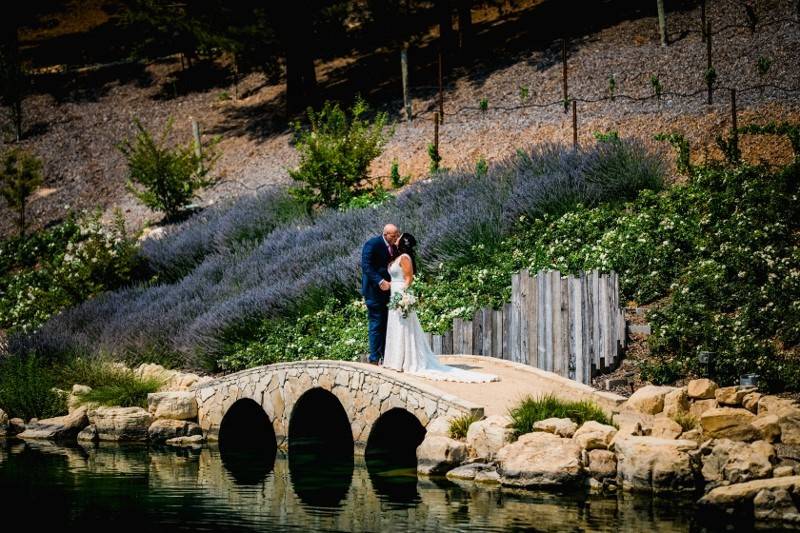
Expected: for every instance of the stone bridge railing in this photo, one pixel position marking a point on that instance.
(365, 391)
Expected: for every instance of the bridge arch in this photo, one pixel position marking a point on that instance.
(247, 442)
(394, 438)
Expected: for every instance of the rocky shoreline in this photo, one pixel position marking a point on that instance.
(735, 449)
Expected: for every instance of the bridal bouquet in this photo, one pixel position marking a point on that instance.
(405, 302)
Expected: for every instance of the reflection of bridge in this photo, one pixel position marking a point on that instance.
(360, 402)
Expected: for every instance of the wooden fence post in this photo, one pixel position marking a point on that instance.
(709, 65)
(734, 126)
(441, 89)
(703, 20)
(662, 22)
(198, 150)
(564, 61)
(436, 134)
(404, 73)
(574, 125)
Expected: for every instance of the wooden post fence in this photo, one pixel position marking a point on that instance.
(404, 73)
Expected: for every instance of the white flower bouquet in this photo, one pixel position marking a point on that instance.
(404, 302)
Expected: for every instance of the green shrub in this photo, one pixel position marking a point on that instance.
(20, 176)
(481, 167)
(397, 180)
(661, 372)
(531, 410)
(687, 421)
(435, 157)
(335, 154)
(27, 389)
(610, 136)
(368, 199)
(460, 425)
(124, 389)
(484, 104)
(170, 177)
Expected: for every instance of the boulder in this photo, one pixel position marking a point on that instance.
(191, 441)
(487, 436)
(701, 389)
(676, 402)
(666, 428)
(649, 399)
(697, 408)
(776, 406)
(695, 435)
(540, 459)
(59, 428)
(175, 405)
(594, 435)
(74, 399)
(790, 428)
(439, 426)
(15, 426)
(729, 423)
(768, 426)
(653, 464)
(632, 423)
(563, 427)
(469, 471)
(602, 464)
(731, 396)
(750, 401)
(783, 471)
(121, 423)
(164, 429)
(438, 455)
(737, 462)
(739, 497)
(776, 505)
(89, 434)
(3, 423)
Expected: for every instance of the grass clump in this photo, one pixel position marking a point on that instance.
(686, 421)
(460, 425)
(112, 385)
(27, 389)
(531, 410)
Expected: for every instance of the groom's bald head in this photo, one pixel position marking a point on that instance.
(390, 233)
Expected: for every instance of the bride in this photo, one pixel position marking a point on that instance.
(407, 347)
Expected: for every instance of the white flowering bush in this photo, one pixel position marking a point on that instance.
(62, 266)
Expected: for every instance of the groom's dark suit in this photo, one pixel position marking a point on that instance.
(375, 257)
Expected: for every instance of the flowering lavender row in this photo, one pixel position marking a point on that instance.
(188, 319)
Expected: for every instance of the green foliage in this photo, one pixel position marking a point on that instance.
(762, 65)
(395, 178)
(460, 425)
(484, 104)
(335, 154)
(682, 151)
(20, 176)
(223, 96)
(710, 76)
(524, 93)
(605, 137)
(433, 154)
(656, 84)
(337, 331)
(170, 177)
(531, 410)
(372, 198)
(481, 167)
(612, 86)
(61, 266)
(730, 147)
(662, 372)
(123, 389)
(687, 421)
(27, 389)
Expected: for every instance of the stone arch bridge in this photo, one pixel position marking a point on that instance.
(365, 394)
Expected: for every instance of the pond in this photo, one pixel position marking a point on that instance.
(159, 488)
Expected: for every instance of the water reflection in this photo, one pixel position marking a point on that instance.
(163, 488)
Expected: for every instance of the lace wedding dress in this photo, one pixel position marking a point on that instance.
(407, 347)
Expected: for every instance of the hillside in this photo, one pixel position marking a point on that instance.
(77, 118)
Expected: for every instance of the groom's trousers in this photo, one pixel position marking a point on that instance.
(377, 315)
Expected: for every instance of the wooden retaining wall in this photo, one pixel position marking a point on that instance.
(570, 325)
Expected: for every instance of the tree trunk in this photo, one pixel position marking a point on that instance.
(662, 22)
(297, 38)
(464, 24)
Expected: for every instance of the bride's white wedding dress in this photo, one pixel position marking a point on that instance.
(407, 347)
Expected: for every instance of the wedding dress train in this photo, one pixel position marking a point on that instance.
(407, 347)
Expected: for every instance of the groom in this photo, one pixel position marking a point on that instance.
(375, 258)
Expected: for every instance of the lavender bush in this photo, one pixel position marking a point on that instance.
(295, 267)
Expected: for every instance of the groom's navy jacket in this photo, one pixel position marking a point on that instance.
(374, 268)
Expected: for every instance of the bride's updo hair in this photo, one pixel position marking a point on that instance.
(406, 245)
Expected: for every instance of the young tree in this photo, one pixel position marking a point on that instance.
(20, 176)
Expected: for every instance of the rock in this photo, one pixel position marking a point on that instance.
(729, 423)
(487, 436)
(563, 427)
(676, 402)
(731, 396)
(439, 426)
(74, 399)
(181, 405)
(438, 455)
(649, 399)
(737, 462)
(768, 427)
(695, 435)
(594, 435)
(776, 505)
(739, 497)
(121, 423)
(3, 419)
(490, 475)
(59, 428)
(89, 434)
(790, 428)
(697, 408)
(164, 429)
(15, 426)
(666, 428)
(750, 401)
(192, 441)
(701, 389)
(632, 423)
(783, 471)
(540, 459)
(653, 464)
(776, 406)
(468, 471)
(602, 464)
